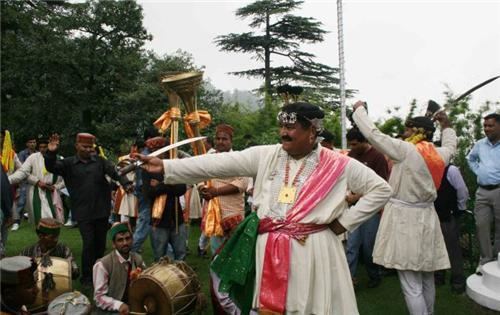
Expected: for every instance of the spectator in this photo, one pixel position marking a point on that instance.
(43, 193)
(31, 144)
(484, 161)
(450, 203)
(364, 236)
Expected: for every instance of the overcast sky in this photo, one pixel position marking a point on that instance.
(395, 51)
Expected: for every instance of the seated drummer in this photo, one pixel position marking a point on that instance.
(113, 272)
(18, 284)
(48, 231)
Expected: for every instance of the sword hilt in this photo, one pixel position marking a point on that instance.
(122, 170)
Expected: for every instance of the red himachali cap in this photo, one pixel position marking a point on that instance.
(224, 128)
(85, 138)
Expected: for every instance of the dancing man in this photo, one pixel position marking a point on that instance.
(409, 237)
(289, 247)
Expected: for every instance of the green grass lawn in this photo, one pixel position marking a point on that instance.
(386, 299)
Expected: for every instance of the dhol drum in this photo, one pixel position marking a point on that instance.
(70, 303)
(165, 288)
(53, 280)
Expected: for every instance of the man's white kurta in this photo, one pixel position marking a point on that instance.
(319, 278)
(33, 170)
(409, 236)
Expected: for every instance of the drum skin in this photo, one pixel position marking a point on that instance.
(61, 273)
(165, 288)
(70, 303)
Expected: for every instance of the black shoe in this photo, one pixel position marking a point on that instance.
(202, 252)
(386, 272)
(355, 284)
(438, 281)
(373, 283)
(479, 270)
(458, 288)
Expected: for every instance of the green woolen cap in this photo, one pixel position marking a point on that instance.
(118, 227)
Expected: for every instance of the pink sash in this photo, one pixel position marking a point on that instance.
(274, 283)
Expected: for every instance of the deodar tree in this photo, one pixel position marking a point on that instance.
(276, 42)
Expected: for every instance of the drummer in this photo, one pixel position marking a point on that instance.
(48, 230)
(18, 284)
(113, 272)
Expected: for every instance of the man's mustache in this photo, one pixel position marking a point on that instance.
(286, 138)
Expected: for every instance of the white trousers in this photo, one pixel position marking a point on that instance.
(419, 291)
(224, 300)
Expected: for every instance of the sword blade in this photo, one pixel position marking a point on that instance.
(175, 145)
(475, 88)
(124, 170)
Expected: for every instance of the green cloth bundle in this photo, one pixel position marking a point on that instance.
(235, 265)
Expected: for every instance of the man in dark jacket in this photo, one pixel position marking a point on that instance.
(85, 177)
(450, 203)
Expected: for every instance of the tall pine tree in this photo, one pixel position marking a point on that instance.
(278, 33)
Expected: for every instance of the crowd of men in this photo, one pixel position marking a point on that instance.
(397, 199)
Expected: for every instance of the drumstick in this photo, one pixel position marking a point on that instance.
(140, 313)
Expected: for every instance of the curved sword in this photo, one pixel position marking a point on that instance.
(124, 170)
(475, 88)
(433, 113)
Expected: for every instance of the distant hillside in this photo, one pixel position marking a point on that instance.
(244, 97)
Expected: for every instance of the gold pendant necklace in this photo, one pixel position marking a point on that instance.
(287, 193)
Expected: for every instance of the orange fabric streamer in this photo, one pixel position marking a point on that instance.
(120, 193)
(165, 120)
(203, 118)
(158, 209)
(433, 160)
(213, 218)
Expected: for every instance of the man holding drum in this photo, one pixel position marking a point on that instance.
(113, 273)
(48, 231)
